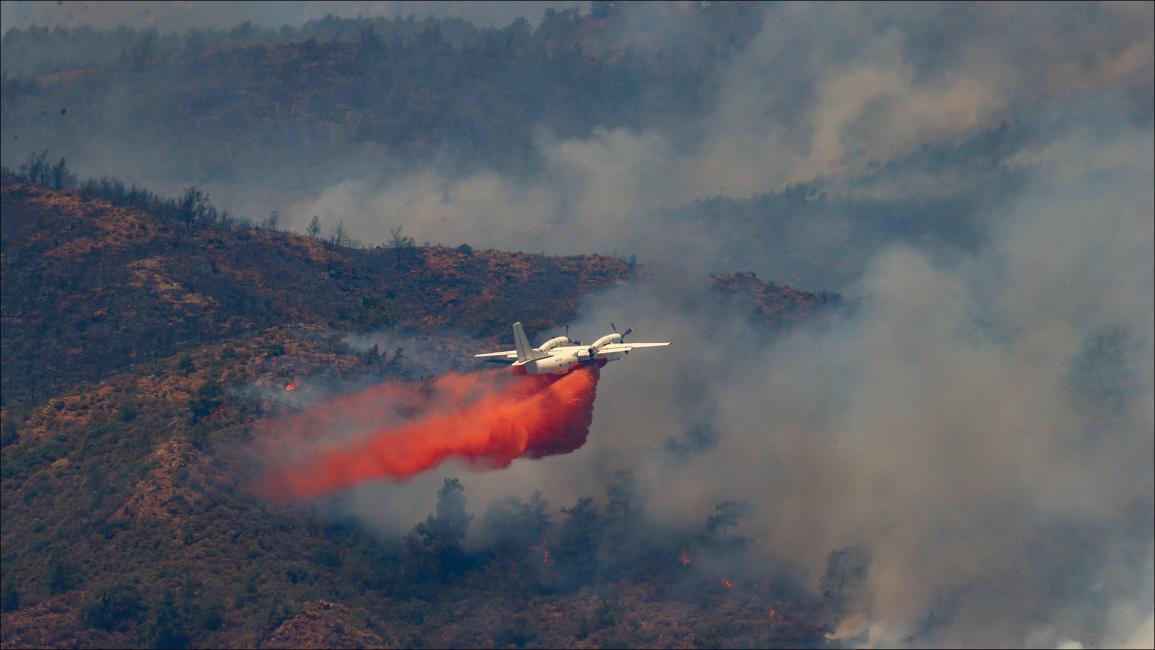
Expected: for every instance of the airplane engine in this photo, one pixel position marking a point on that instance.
(606, 340)
(552, 365)
(553, 343)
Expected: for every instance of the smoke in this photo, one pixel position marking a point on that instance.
(395, 431)
(982, 427)
(856, 102)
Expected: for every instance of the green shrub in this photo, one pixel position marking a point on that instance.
(106, 608)
(63, 575)
(207, 398)
(128, 412)
(517, 633)
(9, 432)
(9, 597)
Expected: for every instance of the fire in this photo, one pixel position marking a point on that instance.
(544, 550)
(773, 613)
(486, 419)
(292, 386)
(546, 558)
(684, 559)
(728, 583)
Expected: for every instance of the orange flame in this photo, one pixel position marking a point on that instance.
(684, 559)
(292, 386)
(773, 613)
(545, 556)
(485, 418)
(728, 583)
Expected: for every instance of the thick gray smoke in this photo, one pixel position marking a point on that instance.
(846, 97)
(983, 427)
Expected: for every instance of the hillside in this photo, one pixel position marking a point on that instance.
(360, 94)
(143, 355)
(90, 288)
(776, 307)
(128, 523)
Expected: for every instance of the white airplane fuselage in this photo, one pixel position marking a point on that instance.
(560, 355)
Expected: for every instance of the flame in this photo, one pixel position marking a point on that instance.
(545, 556)
(292, 386)
(485, 418)
(684, 559)
(728, 583)
(773, 613)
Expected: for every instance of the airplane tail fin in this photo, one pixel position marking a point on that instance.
(525, 352)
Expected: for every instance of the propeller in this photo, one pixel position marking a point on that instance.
(572, 342)
(624, 334)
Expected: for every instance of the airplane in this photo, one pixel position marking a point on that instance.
(561, 354)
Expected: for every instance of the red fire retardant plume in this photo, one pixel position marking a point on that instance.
(486, 419)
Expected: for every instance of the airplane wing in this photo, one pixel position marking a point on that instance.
(626, 347)
(508, 355)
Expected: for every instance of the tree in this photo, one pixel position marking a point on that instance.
(273, 221)
(35, 169)
(194, 42)
(9, 432)
(452, 519)
(846, 572)
(9, 597)
(435, 544)
(727, 515)
(142, 51)
(399, 243)
(581, 533)
(314, 229)
(207, 398)
(185, 364)
(169, 625)
(513, 526)
(534, 515)
(602, 9)
(106, 608)
(340, 236)
(62, 179)
(370, 46)
(63, 576)
(621, 494)
(372, 356)
(193, 206)
(517, 633)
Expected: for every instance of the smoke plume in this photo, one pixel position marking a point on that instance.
(396, 431)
